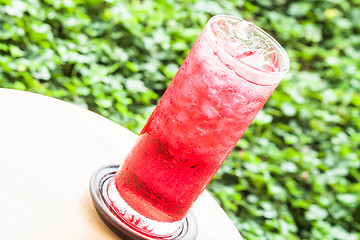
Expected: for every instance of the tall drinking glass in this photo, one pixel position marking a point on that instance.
(230, 72)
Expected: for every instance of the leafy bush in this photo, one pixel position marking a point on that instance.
(294, 174)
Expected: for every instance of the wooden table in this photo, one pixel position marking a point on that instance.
(48, 152)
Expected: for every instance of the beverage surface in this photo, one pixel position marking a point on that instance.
(239, 38)
(203, 113)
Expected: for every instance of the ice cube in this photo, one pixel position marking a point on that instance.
(222, 29)
(244, 30)
(243, 54)
(258, 44)
(208, 110)
(240, 40)
(256, 60)
(269, 61)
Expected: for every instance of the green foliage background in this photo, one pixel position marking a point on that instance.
(294, 174)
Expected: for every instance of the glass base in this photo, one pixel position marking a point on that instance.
(130, 216)
(124, 220)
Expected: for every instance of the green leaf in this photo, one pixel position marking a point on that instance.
(42, 73)
(288, 109)
(269, 211)
(209, 7)
(348, 199)
(16, 51)
(288, 167)
(315, 213)
(103, 102)
(299, 9)
(135, 85)
(170, 70)
(338, 232)
(263, 118)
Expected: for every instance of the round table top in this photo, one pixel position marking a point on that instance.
(48, 151)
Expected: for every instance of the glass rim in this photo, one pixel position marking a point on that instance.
(285, 63)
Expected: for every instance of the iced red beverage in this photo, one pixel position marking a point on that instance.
(221, 86)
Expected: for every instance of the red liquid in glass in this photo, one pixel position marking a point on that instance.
(204, 112)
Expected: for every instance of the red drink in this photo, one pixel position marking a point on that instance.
(204, 112)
